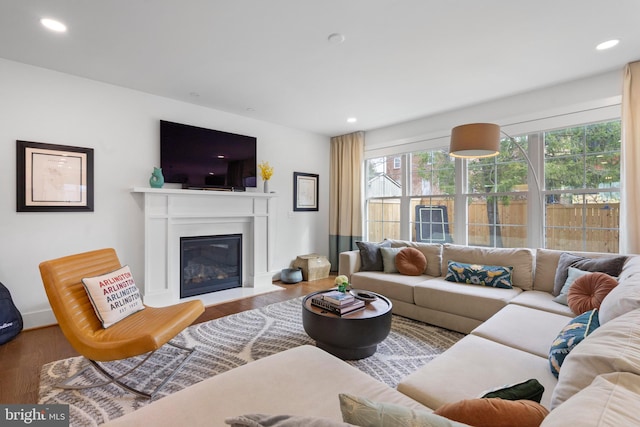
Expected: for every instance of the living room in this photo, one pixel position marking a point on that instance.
(121, 124)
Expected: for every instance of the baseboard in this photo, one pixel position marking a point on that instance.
(39, 319)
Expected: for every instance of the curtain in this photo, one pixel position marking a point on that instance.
(345, 200)
(630, 153)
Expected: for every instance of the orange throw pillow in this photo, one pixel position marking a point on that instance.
(494, 412)
(411, 262)
(588, 292)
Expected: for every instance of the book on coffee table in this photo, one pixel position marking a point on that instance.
(322, 303)
(338, 298)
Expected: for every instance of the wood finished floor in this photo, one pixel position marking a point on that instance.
(21, 358)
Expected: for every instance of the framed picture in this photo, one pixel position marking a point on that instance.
(53, 178)
(305, 191)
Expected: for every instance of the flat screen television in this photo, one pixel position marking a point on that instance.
(204, 158)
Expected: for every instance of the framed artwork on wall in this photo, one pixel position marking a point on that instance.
(53, 178)
(305, 191)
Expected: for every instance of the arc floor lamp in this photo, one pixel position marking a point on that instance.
(479, 140)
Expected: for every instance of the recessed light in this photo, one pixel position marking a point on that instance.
(53, 25)
(352, 120)
(336, 38)
(607, 45)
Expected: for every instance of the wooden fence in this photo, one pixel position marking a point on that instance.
(592, 228)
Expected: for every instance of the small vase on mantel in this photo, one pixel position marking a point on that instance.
(266, 186)
(157, 179)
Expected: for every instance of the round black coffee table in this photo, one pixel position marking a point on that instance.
(352, 336)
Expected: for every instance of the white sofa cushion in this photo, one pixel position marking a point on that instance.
(523, 328)
(610, 400)
(475, 302)
(541, 300)
(521, 259)
(613, 347)
(395, 286)
(291, 382)
(622, 299)
(470, 368)
(547, 264)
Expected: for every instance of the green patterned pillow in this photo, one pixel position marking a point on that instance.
(570, 336)
(364, 412)
(476, 274)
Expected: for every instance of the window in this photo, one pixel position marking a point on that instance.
(419, 212)
(582, 181)
(383, 192)
(497, 198)
(414, 198)
(432, 177)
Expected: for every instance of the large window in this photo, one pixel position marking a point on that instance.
(414, 196)
(383, 189)
(497, 198)
(412, 199)
(582, 181)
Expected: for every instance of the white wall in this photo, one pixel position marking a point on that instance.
(122, 126)
(592, 98)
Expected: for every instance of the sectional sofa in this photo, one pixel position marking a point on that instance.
(510, 332)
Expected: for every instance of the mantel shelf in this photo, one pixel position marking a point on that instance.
(207, 193)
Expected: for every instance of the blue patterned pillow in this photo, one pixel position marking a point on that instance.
(570, 336)
(475, 274)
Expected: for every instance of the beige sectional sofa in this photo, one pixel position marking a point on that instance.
(509, 332)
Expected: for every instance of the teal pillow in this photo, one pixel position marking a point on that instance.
(527, 390)
(475, 274)
(572, 276)
(364, 412)
(389, 259)
(570, 336)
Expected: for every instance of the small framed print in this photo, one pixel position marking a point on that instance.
(305, 191)
(53, 178)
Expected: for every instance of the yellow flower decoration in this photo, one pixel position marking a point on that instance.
(266, 171)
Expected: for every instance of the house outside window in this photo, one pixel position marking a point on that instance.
(579, 171)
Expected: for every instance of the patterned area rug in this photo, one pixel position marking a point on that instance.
(229, 342)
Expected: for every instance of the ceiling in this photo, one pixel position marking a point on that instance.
(272, 60)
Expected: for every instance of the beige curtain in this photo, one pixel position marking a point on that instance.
(345, 199)
(630, 200)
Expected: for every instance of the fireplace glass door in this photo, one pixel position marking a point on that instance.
(210, 264)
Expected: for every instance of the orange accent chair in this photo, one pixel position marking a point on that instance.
(141, 333)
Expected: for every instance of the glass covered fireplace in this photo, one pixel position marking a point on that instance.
(210, 264)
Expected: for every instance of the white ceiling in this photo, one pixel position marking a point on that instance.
(271, 59)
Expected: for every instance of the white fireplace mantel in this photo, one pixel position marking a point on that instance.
(173, 213)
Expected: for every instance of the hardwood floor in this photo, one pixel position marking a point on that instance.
(22, 358)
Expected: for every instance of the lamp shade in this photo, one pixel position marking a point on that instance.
(475, 140)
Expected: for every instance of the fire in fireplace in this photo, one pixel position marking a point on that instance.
(210, 264)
